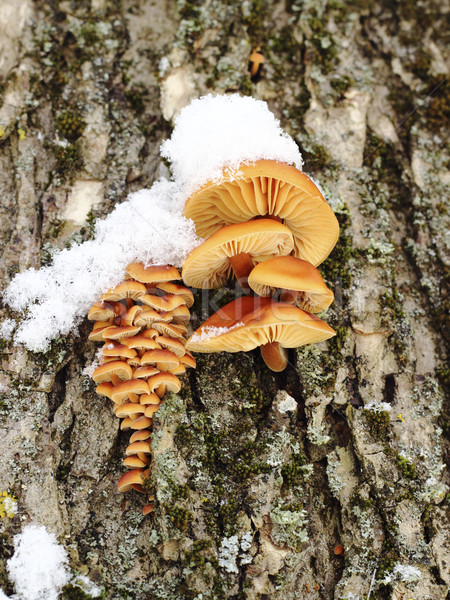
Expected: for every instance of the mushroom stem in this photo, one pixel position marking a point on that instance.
(289, 296)
(242, 265)
(275, 356)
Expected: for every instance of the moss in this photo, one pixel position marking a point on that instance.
(179, 517)
(408, 469)
(254, 21)
(70, 125)
(336, 269)
(341, 84)
(378, 422)
(437, 105)
(293, 472)
(73, 592)
(68, 159)
(394, 314)
(317, 158)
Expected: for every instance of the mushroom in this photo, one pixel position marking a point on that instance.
(268, 188)
(250, 321)
(235, 248)
(256, 59)
(133, 319)
(300, 282)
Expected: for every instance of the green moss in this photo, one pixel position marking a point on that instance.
(68, 159)
(317, 158)
(437, 105)
(293, 472)
(254, 21)
(179, 517)
(70, 125)
(341, 84)
(378, 422)
(408, 469)
(73, 592)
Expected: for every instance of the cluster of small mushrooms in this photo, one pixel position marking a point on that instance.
(268, 225)
(142, 323)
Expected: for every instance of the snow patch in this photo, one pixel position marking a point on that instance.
(38, 567)
(217, 132)
(210, 332)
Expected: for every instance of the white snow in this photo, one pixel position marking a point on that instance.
(38, 567)
(217, 132)
(57, 297)
(210, 332)
(6, 329)
(376, 406)
(405, 573)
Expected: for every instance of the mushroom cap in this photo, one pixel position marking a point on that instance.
(174, 288)
(105, 389)
(175, 346)
(139, 423)
(144, 372)
(119, 350)
(256, 56)
(140, 435)
(152, 357)
(134, 462)
(119, 333)
(118, 368)
(268, 188)
(128, 410)
(169, 380)
(163, 303)
(130, 315)
(101, 311)
(291, 273)
(209, 266)
(123, 389)
(250, 321)
(130, 478)
(126, 289)
(138, 446)
(96, 334)
(167, 329)
(141, 342)
(151, 398)
(152, 274)
(180, 315)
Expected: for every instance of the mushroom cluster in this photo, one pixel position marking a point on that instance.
(268, 225)
(142, 323)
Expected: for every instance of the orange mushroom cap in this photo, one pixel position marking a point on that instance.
(268, 188)
(249, 322)
(152, 274)
(291, 273)
(209, 265)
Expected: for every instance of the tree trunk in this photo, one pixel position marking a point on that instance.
(281, 486)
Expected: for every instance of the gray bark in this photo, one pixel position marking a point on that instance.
(362, 87)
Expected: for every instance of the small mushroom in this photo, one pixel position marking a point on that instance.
(153, 274)
(300, 282)
(235, 249)
(256, 59)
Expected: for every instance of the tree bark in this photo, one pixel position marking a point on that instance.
(277, 486)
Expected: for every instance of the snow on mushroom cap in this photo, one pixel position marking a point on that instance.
(217, 132)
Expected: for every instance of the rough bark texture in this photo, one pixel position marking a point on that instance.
(258, 477)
